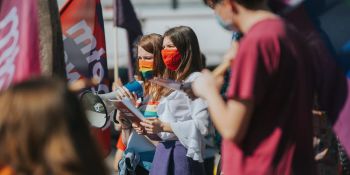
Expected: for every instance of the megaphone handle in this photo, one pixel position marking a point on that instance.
(110, 95)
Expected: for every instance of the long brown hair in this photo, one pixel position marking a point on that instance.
(43, 130)
(152, 43)
(185, 40)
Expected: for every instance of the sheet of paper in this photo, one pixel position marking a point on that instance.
(171, 84)
(140, 143)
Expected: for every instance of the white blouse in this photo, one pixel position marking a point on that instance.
(188, 119)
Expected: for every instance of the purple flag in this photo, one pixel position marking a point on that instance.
(125, 17)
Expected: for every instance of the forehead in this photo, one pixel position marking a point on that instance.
(167, 40)
(143, 52)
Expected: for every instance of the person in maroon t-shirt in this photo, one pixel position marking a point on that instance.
(266, 124)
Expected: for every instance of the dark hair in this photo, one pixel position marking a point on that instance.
(152, 43)
(250, 4)
(204, 60)
(185, 40)
(44, 130)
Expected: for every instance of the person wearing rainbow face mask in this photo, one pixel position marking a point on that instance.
(182, 122)
(149, 65)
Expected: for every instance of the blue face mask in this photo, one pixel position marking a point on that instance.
(223, 24)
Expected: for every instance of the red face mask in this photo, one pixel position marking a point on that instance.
(171, 58)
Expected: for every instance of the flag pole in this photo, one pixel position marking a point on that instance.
(116, 51)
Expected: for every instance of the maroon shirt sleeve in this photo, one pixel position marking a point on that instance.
(253, 68)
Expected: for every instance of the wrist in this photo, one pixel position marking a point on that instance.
(164, 127)
(212, 95)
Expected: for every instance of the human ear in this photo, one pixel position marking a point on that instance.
(232, 4)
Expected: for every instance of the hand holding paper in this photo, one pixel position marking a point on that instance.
(154, 126)
(133, 114)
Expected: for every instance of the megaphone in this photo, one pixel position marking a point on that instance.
(100, 108)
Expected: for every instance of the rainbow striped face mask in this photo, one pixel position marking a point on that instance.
(146, 68)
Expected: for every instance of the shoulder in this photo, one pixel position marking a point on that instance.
(265, 32)
(193, 76)
(264, 40)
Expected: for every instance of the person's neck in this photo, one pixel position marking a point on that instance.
(248, 18)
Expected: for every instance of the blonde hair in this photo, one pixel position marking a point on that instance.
(43, 130)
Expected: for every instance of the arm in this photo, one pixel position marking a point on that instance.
(117, 157)
(125, 127)
(231, 118)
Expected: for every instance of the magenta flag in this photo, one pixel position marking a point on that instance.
(19, 49)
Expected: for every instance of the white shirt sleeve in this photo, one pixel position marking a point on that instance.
(189, 121)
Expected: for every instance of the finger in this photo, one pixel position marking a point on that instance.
(149, 121)
(146, 125)
(136, 125)
(139, 132)
(142, 132)
(119, 94)
(135, 96)
(148, 129)
(150, 132)
(206, 71)
(138, 129)
(119, 82)
(117, 97)
(115, 86)
(127, 92)
(124, 92)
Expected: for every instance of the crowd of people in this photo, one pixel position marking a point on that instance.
(265, 119)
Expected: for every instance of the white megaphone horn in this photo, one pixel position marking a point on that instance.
(99, 109)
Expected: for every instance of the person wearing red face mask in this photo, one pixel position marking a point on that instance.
(182, 122)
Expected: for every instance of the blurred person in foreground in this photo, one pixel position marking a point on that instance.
(43, 130)
(266, 123)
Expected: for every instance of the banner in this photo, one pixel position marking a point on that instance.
(85, 50)
(19, 49)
